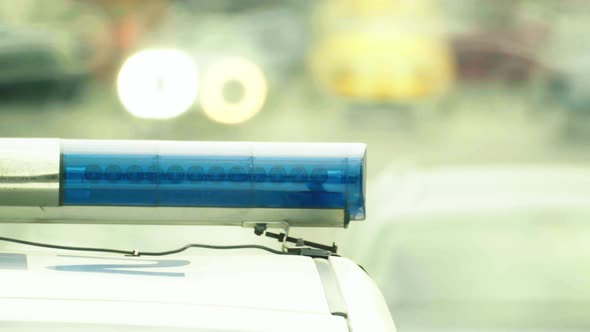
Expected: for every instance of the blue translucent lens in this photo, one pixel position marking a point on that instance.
(146, 174)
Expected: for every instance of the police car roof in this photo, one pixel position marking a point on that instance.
(207, 293)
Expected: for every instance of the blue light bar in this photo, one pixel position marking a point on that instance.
(214, 174)
(160, 182)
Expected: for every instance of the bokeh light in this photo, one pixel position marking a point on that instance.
(158, 84)
(227, 73)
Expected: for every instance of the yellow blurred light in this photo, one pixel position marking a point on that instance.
(233, 70)
(388, 50)
(158, 84)
(394, 69)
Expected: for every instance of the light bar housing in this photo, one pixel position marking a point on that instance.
(101, 181)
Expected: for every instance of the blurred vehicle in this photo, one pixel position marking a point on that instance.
(380, 50)
(510, 55)
(568, 87)
(125, 23)
(36, 64)
(237, 57)
(492, 244)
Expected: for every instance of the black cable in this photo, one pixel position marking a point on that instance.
(283, 237)
(208, 246)
(54, 246)
(147, 253)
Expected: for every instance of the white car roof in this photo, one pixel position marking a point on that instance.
(206, 293)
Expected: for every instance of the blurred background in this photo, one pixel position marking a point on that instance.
(476, 114)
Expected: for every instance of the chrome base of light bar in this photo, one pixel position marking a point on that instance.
(29, 172)
(172, 216)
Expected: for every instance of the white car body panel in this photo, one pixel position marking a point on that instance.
(90, 292)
